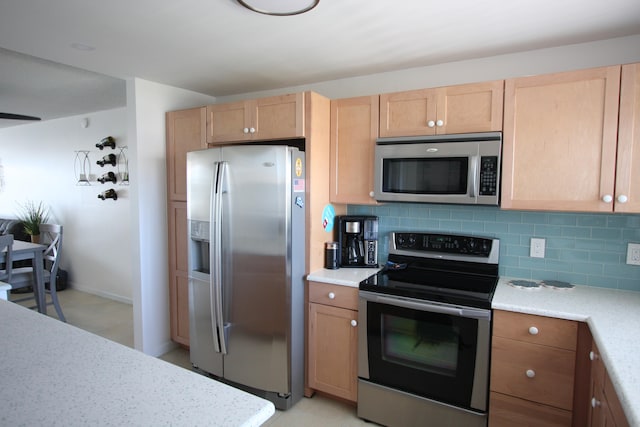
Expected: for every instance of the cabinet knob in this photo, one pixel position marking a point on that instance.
(245, 130)
(439, 123)
(354, 323)
(531, 373)
(622, 198)
(431, 123)
(607, 198)
(372, 194)
(595, 402)
(533, 330)
(593, 355)
(252, 130)
(332, 295)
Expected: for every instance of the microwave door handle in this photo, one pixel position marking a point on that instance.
(474, 180)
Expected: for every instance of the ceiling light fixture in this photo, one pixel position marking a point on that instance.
(279, 7)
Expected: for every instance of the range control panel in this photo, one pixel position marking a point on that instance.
(448, 243)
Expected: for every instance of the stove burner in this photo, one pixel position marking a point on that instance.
(556, 284)
(524, 284)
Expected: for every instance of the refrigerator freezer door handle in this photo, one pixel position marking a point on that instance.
(212, 261)
(218, 274)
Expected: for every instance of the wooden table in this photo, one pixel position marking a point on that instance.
(33, 251)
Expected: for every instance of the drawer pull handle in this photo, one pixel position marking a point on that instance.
(593, 355)
(332, 295)
(533, 330)
(595, 403)
(354, 323)
(531, 373)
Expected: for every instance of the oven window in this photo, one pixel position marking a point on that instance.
(425, 175)
(421, 352)
(430, 346)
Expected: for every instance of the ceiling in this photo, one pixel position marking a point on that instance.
(219, 48)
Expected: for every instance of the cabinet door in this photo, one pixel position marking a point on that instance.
(628, 164)
(354, 129)
(470, 108)
(227, 122)
(333, 346)
(408, 113)
(560, 140)
(178, 272)
(185, 132)
(533, 372)
(278, 117)
(508, 411)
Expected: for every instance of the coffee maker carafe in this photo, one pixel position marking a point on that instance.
(358, 241)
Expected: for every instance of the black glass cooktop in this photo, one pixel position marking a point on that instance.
(422, 271)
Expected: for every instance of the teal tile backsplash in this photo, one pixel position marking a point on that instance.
(581, 248)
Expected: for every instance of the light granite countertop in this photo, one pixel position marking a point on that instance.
(53, 374)
(613, 317)
(343, 276)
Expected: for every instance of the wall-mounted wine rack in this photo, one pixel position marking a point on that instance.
(117, 160)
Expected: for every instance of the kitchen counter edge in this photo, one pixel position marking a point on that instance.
(342, 276)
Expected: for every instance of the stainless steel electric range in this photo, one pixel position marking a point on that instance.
(425, 331)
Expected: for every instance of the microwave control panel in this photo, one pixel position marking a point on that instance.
(488, 176)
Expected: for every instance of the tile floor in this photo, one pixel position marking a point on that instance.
(114, 320)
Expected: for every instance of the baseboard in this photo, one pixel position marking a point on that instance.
(100, 293)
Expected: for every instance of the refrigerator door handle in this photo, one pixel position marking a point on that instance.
(218, 275)
(214, 270)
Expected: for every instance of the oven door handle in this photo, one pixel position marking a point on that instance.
(473, 313)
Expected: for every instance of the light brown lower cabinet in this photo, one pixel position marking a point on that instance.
(605, 409)
(509, 411)
(533, 363)
(333, 340)
(547, 372)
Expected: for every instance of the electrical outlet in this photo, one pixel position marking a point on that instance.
(633, 253)
(537, 248)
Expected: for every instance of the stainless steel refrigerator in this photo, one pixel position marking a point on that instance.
(246, 215)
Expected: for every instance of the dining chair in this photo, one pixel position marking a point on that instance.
(6, 243)
(51, 235)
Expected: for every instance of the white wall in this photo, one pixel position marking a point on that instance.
(606, 52)
(38, 165)
(147, 104)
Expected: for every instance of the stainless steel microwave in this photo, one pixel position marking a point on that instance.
(460, 169)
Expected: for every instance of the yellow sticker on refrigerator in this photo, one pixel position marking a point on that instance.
(298, 167)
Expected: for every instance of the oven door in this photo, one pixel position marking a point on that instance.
(434, 350)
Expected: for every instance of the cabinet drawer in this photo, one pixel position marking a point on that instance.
(334, 295)
(507, 411)
(536, 329)
(534, 372)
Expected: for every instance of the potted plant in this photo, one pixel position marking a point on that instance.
(32, 216)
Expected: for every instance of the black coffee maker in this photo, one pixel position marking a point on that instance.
(358, 241)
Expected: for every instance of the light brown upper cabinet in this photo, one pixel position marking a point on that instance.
(185, 132)
(276, 117)
(560, 134)
(354, 129)
(627, 190)
(466, 108)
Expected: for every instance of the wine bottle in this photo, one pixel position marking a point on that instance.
(109, 159)
(108, 177)
(107, 142)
